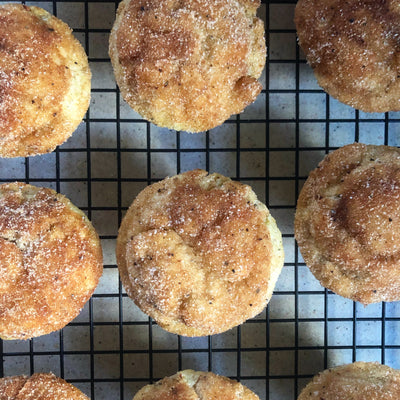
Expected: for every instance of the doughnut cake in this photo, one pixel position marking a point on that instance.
(44, 81)
(199, 253)
(50, 261)
(357, 381)
(188, 64)
(354, 49)
(39, 387)
(347, 222)
(195, 385)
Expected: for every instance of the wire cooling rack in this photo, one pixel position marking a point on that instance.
(112, 349)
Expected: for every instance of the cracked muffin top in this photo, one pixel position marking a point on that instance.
(357, 381)
(50, 261)
(188, 64)
(347, 222)
(353, 47)
(199, 253)
(44, 81)
(195, 385)
(38, 386)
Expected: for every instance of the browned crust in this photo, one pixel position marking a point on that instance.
(44, 81)
(188, 64)
(11, 386)
(357, 381)
(347, 222)
(199, 253)
(354, 48)
(192, 385)
(50, 261)
(38, 386)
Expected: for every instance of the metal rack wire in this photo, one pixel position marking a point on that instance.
(112, 349)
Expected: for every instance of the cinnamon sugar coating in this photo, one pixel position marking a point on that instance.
(44, 81)
(347, 222)
(199, 253)
(193, 385)
(188, 64)
(357, 381)
(353, 47)
(38, 386)
(50, 261)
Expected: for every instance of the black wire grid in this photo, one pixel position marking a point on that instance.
(112, 349)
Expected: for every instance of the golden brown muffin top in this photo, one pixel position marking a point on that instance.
(50, 261)
(193, 385)
(348, 222)
(357, 381)
(354, 48)
(188, 64)
(199, 253)
(39, 387)
(44, 81)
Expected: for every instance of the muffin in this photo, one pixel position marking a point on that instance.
(44, 81)
(354, 50)
(50, 261)
(195, 385)
(199, 253)
(38, 386)
(357, 381)
(187, 64)
(347, 222)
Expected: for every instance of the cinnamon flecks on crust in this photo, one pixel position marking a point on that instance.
(357, 381)
(347, 222)
(188, 64)
(50, 261)
(195, 385)
(199, 253)
(44, 81)
(354, 49)
(38, 386)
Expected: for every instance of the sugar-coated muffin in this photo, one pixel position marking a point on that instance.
(347, 222)
(199, 253)
(195, 385)
(187, 64)
(38, 386)
(354, 49)
(44, 81)
(357, 381)
(50, 261)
